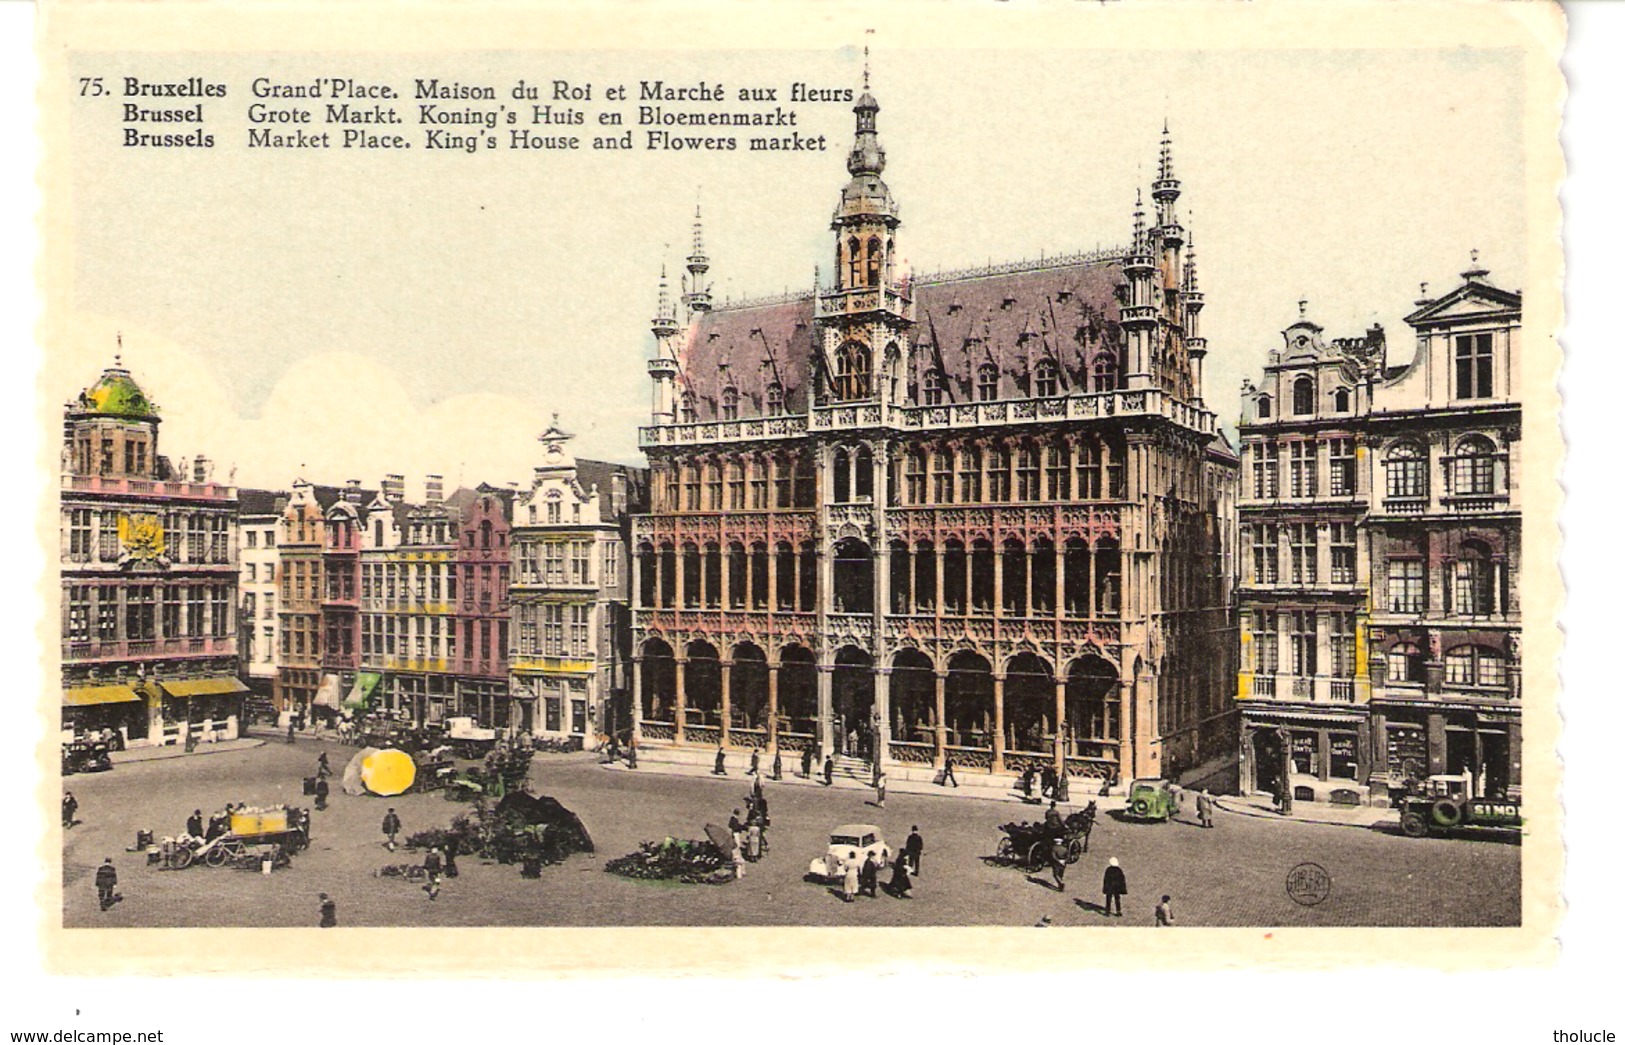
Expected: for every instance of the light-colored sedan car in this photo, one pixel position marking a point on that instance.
(862, 839)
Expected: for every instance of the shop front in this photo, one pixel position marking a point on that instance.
(1484, 744)
(1313, 757)
(202, 710)
(115, 707)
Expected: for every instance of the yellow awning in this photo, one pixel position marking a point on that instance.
(85, 696)
(202, 687)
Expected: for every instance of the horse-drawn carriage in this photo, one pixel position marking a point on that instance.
(1028, 843)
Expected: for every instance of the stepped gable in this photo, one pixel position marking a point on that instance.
(1013, 314)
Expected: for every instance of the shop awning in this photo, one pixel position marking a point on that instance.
(87, 696)
(361, 693)
(327, 695)
(202, 687)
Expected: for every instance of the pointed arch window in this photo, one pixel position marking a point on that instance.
(1104, 372)
(852, 371)
(932, 387)
(688, 412)
(775, 399)
(730, 403)
(1047, 379)
(854, 262)
(873, 272)
(987, 382)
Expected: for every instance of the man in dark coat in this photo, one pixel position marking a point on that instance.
(194, 824)
(1115, 886)
(391, 827)
(70, 809)
(329, 912)
(321, 793)
(106, 882)
(806, 763)
(721, 768)
(868, 877)
(1052, 820)
(778, 767)
(322, 768)
(899, 886)
(829, 770)
(913, 848)
(1057, 862)
(948, 772)
(755, 763)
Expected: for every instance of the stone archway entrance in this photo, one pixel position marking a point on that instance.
(853, 728)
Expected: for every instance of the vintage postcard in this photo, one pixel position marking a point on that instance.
(566, 472)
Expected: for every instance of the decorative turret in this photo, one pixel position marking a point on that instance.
(1195, 343)
(696, 291)
(663, 366)
(1475, 272)
(1138, 314)
(111, 428)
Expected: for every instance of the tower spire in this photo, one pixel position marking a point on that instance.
(665, 322)
(696, 291)
(1139, 221)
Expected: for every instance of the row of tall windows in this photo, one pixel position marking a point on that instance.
(1018, 471)
(408, 636)
(1304, 471)
(405, 581)
(1480, 667)
(785, 579)
(143, 612)
(189, 537)
(1301, 552)
(1015, 579)
(750, 481)
(553, 629)
(1302, 630)
(1473, 584)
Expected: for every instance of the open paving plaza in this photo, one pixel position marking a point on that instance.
(1232, 875)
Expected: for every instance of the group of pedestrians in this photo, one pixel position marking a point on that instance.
(1050, 784)
(749, 830)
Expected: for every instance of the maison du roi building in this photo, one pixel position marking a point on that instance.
(149, 578)
(979, 515)
(1380, 537)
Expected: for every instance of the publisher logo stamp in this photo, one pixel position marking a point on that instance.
(1308, 884)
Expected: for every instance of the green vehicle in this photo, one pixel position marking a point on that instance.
(1151, 800)
(1443, 804)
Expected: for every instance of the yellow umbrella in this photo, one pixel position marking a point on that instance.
(389, 772)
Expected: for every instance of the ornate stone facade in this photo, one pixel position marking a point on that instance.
(977, 515)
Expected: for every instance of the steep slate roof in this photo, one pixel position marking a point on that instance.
(1012, 316)
(261, 502)
(590, 473)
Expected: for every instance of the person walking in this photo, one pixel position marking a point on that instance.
(851, 869)
(290, 730)
(322, 768)
(1057, 862)
(806, 763)
(452, 847)
(1165, 912)
(829, 770)
(778, 767)
(869, 877)
(948, 772)
(1114, 886)
(880, 788)
(329, 912)
(106, 883)
(753, 841)
(194, 824)
(914, 848)
(391, 828)
(433, 866)
(721, 768)
(1204, 808)
(755, 764)
(70, 809)
(632, 754)
(321, 793)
